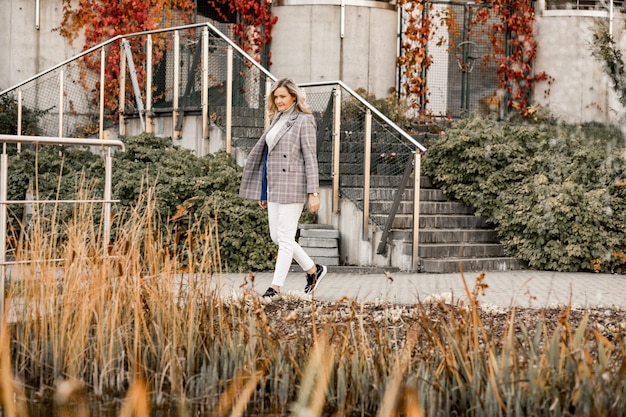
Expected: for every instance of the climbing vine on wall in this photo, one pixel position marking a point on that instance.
(96, 21)
(514, 60)
(414, 59)
(510, 25)
(254, 24)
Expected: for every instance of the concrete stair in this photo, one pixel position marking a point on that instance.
(320, 242)
(247, 128)
(451, 236)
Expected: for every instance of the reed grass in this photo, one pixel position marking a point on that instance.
(148, 322)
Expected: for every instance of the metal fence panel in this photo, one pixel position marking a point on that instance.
(462, 78)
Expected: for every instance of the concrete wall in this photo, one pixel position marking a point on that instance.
(581, 91)
(307, 43)
(192, 134)
(27, 50)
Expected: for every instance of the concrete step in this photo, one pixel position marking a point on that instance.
(467, 250)
(320, 242)
(448, 236)
(453, 236)
(378, 205)
(332, 234)
(356, 180)
(451, 265)
(325, 260)
(436, 221)
(426, 207)
(315, 252)
(447, 207)
(433, 221)
(388, 194)
(244, 143)
(452, 221)
(316, 242)
(249, 121)
(247, 132)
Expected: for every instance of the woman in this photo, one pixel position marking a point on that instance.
(281, 172)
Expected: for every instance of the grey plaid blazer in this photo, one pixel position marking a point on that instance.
(292, 170)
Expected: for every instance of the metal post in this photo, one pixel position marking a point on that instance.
(102, 69)
(19, 118)
(229, 98)
(122, 99)
(611, 11)
(176, 93)
(61, 77)
(416, 209)
(336, 145)
(135, 82)
(268, 91)
(149, 118)
(366, 173)
(464, 74)
(342, 19)
(4, 162)
(108, 180)
(37, 14)
(205, 83)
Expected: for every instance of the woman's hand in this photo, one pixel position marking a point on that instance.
(314, 203)
(263, 204)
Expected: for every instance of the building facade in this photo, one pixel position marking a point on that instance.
(357, 41)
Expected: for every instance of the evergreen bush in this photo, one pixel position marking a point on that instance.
(554, 192)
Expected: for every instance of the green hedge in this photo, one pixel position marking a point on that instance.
(552, 191)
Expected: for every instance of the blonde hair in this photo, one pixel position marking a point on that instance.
(294, 91)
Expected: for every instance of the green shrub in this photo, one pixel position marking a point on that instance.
(49, 173)
(189, 191)
(551, 191)
(152, 161)
(8, 117)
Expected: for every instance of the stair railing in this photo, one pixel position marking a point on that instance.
(382, 245)
(342, 97)
(61, 88)
(216, 63)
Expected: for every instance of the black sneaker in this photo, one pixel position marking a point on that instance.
(314, 279)
(271, 292)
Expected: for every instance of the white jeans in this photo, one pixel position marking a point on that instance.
(283, 222)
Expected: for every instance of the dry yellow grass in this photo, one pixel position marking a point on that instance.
(129, 324)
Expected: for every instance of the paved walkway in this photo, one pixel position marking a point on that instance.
(536, 289)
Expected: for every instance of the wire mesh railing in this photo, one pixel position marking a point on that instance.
(143, 75)
(364, 155)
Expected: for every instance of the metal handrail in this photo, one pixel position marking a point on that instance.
(368, 105)
(232, 46)
(62, 141)
(382, 245)
(413, 165)
(147, 32)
